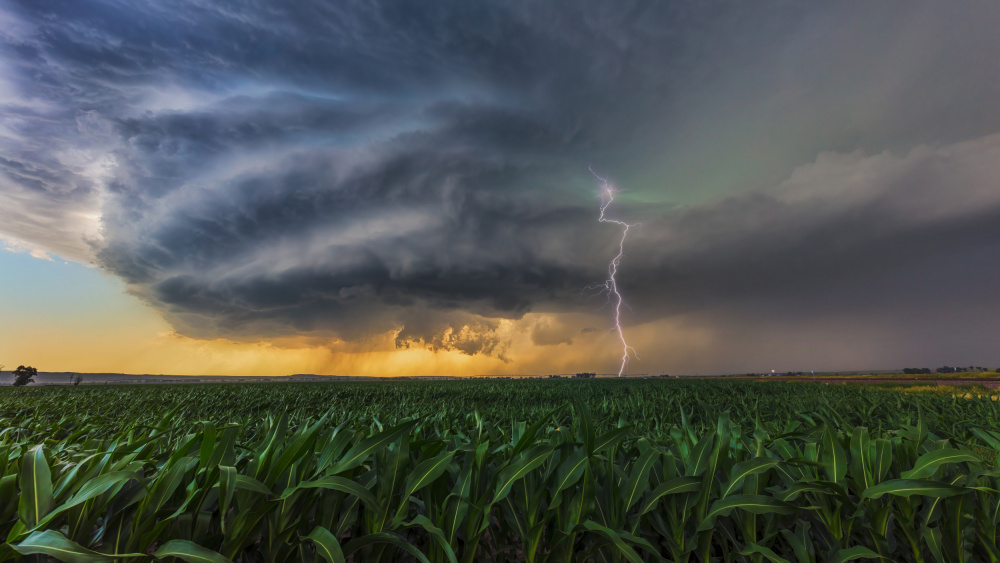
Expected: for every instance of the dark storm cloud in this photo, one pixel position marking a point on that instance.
(345, 169)
(847, 234)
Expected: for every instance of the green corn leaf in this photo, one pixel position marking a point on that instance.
(72, 478)
(857, 552)
(586, 424)
(274, 437)
(922, 430)
(222, 451)
(802, 546)
(423, 474)
(528, 437)
(8, 490)
(637, 482)
(623, 548)
(834, 458)
(388, 538)
(392, 469)
(641, 543)
(164, 423)
(611, 438)
(570, 471)
(247, 483)
(301, 445)
(757, 504)
(723, 433)
(928, 463)
(36, 488)
(525, 463)
(335, 483)
(327, 545)
(753, 548)
(90, 490)
(341, 438)
(360, 452)
(883, 458)
(463, 484)
(581, 502)
(207, 443)
(860, 464)
(58, 546)
(165, 485)
(744, 468)
(932, 537)
(991, 438)
(227, 487)
(700, 457)
(98, 486)
(182, 451)
(908, 487)
(190, 552)
(673, 487)
(436, 535)
(793, 492)
(426, 472)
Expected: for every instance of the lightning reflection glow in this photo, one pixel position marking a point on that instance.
(611, 285)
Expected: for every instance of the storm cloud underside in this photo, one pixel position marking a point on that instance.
(341, 171)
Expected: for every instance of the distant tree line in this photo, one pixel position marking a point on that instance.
(950, 369)
(946, 369)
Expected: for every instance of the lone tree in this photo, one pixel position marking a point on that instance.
(24, 375)
(77, 379)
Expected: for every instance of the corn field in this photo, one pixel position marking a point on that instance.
(498, 471)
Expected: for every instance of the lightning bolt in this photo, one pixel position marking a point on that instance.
(611, 285)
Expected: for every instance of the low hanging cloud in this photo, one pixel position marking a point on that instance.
(347, 171)
(550, 332)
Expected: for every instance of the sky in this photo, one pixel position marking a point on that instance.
(400, 188)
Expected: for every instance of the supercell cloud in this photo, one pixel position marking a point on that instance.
(341, 170)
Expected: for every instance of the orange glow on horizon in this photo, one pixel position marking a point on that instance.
(80, 320)
(145, 344)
